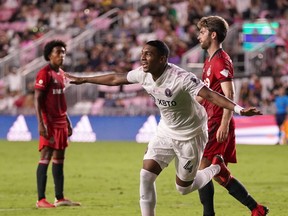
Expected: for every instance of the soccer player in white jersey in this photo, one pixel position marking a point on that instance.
(182, 130)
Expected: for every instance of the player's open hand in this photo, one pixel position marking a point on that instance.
(250, 111)
(74, 79)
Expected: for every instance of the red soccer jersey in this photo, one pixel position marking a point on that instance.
(217, 69)
(54, 107)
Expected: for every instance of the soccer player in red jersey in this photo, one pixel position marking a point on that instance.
(54, 125)
(218, 75)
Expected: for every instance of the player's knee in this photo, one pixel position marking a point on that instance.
(147, 176)
(184, 190)
(147, 188)
(58, 160)
(44, 161)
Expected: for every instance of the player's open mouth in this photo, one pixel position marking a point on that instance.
(144, 65)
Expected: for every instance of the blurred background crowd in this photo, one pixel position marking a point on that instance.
(107, 36)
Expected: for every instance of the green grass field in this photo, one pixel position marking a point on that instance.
(104, 177)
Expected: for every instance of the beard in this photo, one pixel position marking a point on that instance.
(206, 44)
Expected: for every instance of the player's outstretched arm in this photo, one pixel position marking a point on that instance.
(224, 102)
(109, 79)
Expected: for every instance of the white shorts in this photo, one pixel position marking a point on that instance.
(187, 154)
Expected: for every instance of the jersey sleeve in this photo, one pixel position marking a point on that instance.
(223, 70)
(192, 84)
(42, 80)
(135, 76)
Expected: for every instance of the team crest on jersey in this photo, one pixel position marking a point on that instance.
(168, 92)
(40, 81)
(209, 71)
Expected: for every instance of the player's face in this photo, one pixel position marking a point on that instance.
(57, 55)
(151, 60)
(204, 38)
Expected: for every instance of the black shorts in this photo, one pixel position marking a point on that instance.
(280, 118)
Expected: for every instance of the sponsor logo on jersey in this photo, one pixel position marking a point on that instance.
(166, 103)
(224, 72)
(40, 83)
(162, 102)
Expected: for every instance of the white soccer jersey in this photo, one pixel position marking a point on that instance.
(182, 117)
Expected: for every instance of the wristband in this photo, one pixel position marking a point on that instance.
(237, 109)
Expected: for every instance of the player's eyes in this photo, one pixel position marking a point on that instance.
(146, 54)
(61, 52)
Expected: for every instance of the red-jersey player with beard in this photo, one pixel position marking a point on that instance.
(218, 75)
(53, 123)
(217, 72)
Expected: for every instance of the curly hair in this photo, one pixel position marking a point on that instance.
(215, 24)
(50, 45)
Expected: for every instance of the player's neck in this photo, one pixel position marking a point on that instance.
(159, 72)
(212, 50)
(54, 67)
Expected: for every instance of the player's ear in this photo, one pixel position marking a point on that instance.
(163, 59)
(213, 35)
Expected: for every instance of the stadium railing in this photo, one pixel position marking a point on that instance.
(29, 69)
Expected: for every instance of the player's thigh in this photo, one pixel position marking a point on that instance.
(46, 152)
(189, 154)
(160, 149)
(227, 148)
(59, 154)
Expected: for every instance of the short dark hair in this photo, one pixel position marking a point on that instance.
(50, 45)
(161, 47)
(215, 24)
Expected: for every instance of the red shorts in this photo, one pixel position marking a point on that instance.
(58, 139)
(227, 148)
